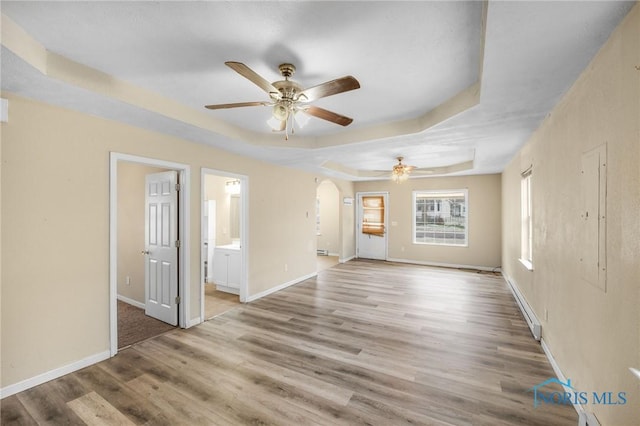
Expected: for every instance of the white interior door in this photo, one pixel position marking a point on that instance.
(161, 247)
(371, 229)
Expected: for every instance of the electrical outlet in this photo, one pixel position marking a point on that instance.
(546, 314)
(128, 280)
(286, 267)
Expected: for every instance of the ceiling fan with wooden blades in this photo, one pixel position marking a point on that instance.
(288, 98)
(400, 172)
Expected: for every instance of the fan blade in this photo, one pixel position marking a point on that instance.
(236, 105)
(255, 78)
(329, 88)
(328, 115)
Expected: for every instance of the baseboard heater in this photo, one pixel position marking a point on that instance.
(323, 252)
(527, 312)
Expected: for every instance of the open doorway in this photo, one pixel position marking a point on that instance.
(147, 195)
(328, 224)
(134, 323)
(224, 241)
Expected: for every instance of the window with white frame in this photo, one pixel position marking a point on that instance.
(526, 224)
(440, 217)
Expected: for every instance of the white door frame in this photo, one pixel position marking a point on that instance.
(359, 196)
(244, 232)
(184, 226)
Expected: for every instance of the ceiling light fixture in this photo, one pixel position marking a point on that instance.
(289, 98)
(400, 172)
(280, 112)
(232, 186)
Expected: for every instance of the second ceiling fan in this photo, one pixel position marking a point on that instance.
(288, 98)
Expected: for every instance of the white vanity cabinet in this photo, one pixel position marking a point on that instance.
(226, 268)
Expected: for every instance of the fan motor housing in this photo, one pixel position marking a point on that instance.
(288, 89)
(287, 70)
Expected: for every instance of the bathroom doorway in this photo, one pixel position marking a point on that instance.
(224, 242)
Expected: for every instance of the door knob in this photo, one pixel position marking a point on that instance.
(145, 252)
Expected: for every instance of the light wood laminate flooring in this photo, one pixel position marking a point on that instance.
(326, 262)
(364, 342)
(217, 302)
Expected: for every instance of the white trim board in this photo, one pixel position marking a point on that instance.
(527, 312)
(280, 287)
(184, 232)
(131, 302)
(584, 418)
(445, 265)
(53, 374)
(194, 321)
(346, 259)
(244, 235)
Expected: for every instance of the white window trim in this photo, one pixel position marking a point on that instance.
(526, 264)
(527, 261)
(439, 191)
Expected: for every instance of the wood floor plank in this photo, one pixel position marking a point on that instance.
(365, 342)
(14, 413)
(96, 411)
(47, 407)
(177, 405)
(132, 406)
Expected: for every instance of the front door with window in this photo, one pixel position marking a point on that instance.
(161, 247)
(372, 225)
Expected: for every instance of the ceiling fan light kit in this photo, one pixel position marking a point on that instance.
(289, 100)
(400, 172)
(280, 112)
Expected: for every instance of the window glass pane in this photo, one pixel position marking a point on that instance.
(373, 215)
(440, 217)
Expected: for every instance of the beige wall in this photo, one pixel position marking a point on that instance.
(131, 199)
(593, 335)
(484, 220)
(55, 204)
(329, 238)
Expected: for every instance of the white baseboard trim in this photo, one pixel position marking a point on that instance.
(527, 312)
(131, 302)
(334, 254)
(194, 321)
(53, 374)
(445, 265)
(345, 260)
(226, 289)
(280, 287)
(584, 418)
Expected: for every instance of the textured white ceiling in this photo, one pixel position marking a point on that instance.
(410, 58)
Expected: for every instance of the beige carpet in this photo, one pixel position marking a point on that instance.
(134, 326)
